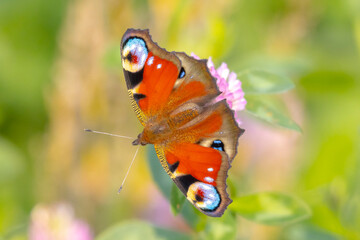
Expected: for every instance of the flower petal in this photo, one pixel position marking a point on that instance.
(229, 86)
(195, 56)
(223, 71)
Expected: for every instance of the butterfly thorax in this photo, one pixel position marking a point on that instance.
(160, 129)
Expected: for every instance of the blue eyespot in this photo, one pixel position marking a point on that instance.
(204, 196)
(182, 73)
(218, 145)
(134, 54)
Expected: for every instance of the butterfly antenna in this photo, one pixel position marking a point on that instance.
(105, 133)
(122, 184)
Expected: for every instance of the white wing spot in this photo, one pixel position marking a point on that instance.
(209, 179)
(210, 169)
(158, 66)
(151, 60)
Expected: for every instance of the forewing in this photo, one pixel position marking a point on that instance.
(159, 81)
(150, 72)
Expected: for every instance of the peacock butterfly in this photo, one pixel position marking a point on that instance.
(195, 136)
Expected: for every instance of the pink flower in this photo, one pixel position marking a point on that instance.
(229, 86)
(57, 222)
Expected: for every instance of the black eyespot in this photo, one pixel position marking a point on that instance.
(198, 198)
(218, 145)
(182, 73)
(129, 57)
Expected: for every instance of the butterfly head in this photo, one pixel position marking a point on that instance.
(140, 140)
(154, 132)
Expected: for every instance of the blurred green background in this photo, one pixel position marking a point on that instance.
(60, 72)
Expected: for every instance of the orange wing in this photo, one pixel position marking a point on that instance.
(150, 72)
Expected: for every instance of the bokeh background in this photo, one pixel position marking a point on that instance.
(60, 72)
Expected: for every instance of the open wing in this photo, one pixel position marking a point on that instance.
(159, 81)
(199, 167)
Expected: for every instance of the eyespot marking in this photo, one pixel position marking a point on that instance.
(218, 145)
(182, 73)
(134, 54)
(199, 197)
(204, 196)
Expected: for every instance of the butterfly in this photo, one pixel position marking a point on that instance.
(195, 136)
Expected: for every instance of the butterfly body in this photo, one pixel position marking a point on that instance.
(195, 136)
